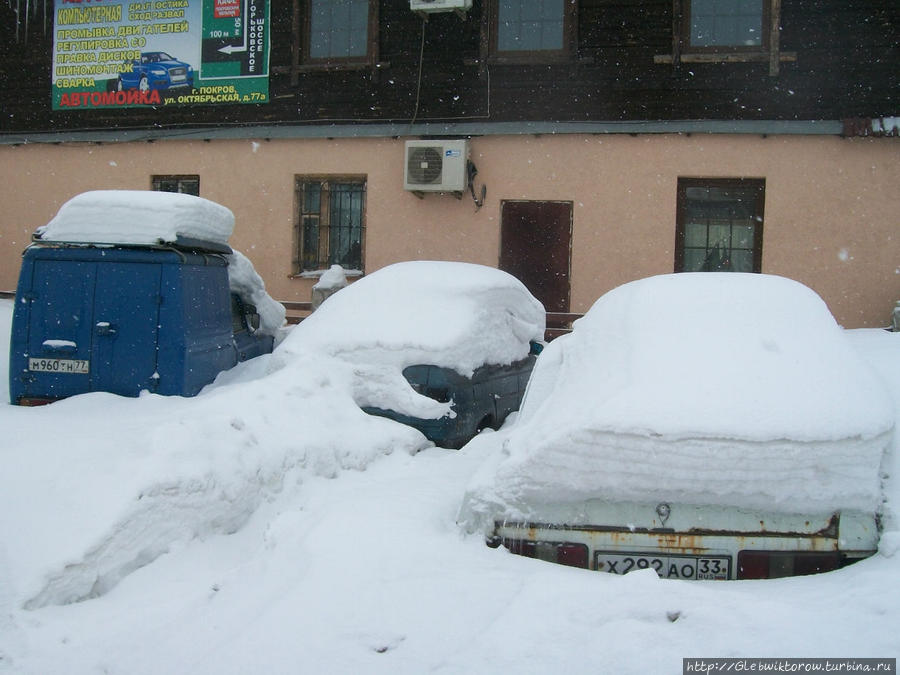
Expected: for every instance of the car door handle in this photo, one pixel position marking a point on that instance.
(106, 328)
(63, 346)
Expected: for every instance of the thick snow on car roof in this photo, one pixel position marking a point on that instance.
(138, 217)
(457, 315)
(148, 218)
(703, 388)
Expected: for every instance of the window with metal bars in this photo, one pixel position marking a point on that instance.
(719, 225)
(186, 184)
(330, 222)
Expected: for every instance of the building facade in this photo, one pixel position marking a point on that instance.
(580, 145)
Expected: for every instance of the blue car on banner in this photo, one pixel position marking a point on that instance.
(156, 71)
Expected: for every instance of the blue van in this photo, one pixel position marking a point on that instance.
(125, 319)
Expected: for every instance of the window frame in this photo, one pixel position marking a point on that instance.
(768, 52)
(684, 183)
(765, 32)
(491, 37)
(179, 178)
(322, 262)
(303, 60)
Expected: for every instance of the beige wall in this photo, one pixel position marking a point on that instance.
(832, 212)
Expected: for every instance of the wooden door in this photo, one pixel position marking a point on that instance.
(535, 247)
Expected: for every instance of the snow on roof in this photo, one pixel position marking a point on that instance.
(704, 388)
(456, 315)
(139, 217)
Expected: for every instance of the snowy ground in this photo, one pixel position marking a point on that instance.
(268, 526)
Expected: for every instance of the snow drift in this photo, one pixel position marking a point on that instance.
(144, 476)
(363, 573)
(699, 388)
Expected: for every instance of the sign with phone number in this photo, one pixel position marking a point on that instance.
(140, 53)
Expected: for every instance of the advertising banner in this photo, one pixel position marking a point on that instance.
(140, 53)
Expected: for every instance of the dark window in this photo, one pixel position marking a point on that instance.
(330, 222)
(719, 225)
(185, 184)
(339, 31)
(532, 29)
(723, 31)
(529, 25)
(714, 25)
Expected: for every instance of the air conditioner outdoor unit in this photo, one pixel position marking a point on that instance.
(439, 5)
(435, 166)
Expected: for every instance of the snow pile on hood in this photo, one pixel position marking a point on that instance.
(138, 217)
(703, 388)
(456, 315)
(246, 282)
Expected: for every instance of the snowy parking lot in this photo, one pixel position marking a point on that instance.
(269, 526)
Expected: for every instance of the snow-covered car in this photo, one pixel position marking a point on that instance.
(156, 71)
(444, 347)
(707, 426)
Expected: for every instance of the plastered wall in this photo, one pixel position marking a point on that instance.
(832, 211)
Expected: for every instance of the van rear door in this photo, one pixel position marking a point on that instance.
(125, 327)
(93, 327)
(59, 329)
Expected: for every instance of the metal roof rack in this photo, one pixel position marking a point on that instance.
(189, 244)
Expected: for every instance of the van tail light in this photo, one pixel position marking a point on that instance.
(566, 553)
(32, 402)
(776, 564)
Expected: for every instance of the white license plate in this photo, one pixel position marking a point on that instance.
(75, 366)
(666, 566)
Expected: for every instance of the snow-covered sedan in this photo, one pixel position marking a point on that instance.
(444, 347)
(706, 426)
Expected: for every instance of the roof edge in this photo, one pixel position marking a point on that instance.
(430, 129)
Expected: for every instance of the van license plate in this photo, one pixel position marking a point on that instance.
(666, 566)
(75, 366)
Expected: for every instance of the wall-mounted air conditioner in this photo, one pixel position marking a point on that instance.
(435, 166)
(439, 5)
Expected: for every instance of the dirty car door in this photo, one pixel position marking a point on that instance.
(59, 329)
(125, 328)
